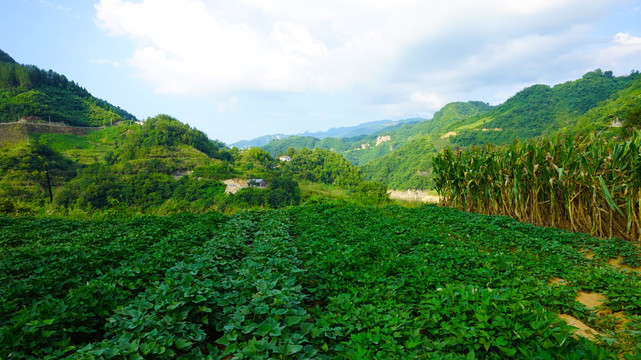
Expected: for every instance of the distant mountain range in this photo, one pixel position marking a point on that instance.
(364, 148)
(367, 128)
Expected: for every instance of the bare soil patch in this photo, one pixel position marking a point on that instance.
(234, 185)
(590, 300)
(557, 281)
(583, 330)
(413, 195)
(616, 263)
(451, 133)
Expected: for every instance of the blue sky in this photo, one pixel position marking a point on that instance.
(239, 69)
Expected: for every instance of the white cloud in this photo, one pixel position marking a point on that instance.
(624, 49)
(432, 101)
(417, 52)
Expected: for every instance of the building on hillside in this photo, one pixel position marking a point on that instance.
(285, 158)
(261, 183)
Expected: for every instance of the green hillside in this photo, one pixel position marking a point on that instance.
(32, 93)
(622, 109)
(361, 150)
(162, 166)
(592, 103)
(541, 110)
(158, 166)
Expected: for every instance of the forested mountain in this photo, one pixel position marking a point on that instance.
(540, 110)
(367, 128)
(29, 92)
(621, 109)
(159, 165)
(258, 142)
(362, 149)
(596, 102)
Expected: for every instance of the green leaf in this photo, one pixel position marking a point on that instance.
(608, 197)
(267, 326)
(292, 349)
(292, 320)
(182, 344)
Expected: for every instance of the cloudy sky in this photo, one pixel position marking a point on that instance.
(238, 69)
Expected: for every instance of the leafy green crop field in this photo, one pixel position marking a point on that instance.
(324, 282)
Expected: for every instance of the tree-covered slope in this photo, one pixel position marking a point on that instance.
(361, 150)
(5, 58)
(452, 112)
(409, 167)
(622, 109)
(540, 110)
(29, 92)
(592, 103)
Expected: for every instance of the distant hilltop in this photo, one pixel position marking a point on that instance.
(366, 128)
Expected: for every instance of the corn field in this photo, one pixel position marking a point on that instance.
(585, 184)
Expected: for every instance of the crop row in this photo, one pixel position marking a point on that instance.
(325, 282)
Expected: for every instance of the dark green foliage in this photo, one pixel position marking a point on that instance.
(323, 282)
(282, 192)
(32, 157)
(5, 58)
(409, 167)
(97, 187)
(217, 171)
(22, 173)
(250, 197)
(167, 132)
(321, 165)
(6, 207)
(371, 193)
(455, 111)
(632, 118)
(275, 147)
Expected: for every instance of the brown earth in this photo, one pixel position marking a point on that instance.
(616, 263)
(233, 185)
(582, 329)
(590, 300)
(557, 281)
(413, 195)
